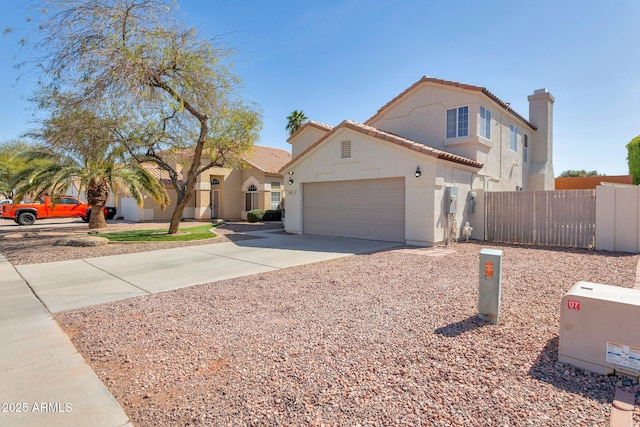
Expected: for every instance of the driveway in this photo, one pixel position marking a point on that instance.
(67, 285)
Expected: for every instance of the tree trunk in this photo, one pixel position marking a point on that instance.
(97, 195)
(181, 203)
(186, 191)
(97, 219)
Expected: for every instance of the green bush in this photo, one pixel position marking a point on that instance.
(255, 215)
(272, 215)
(633, 157)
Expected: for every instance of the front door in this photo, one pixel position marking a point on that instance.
(215, 204)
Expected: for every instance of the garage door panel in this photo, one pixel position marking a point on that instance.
(363, 209)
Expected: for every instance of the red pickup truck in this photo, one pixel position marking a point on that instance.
(49, 207)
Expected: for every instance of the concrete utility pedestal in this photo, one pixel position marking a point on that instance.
(489, 292)
(600, 329)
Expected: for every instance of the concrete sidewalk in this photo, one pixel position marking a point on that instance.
(46, 382)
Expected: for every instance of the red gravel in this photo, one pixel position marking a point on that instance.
(389, 338)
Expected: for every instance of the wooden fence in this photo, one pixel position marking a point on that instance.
(554, 218)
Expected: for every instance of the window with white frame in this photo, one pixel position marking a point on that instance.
(513, 137)
(485, 123)
(275, 195)
(458, 122)
(252, 198)
(275, 200)
(525, 148)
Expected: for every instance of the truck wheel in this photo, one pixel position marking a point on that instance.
(26, 218)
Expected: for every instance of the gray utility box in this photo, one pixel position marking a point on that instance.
(490, 285)
(600, 329)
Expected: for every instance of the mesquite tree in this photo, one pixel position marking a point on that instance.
(171, 91)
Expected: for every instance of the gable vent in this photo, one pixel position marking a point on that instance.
(346, 149)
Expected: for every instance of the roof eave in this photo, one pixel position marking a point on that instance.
(386, 136)
(464, 86)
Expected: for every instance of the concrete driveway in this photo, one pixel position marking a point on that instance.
(74, 284)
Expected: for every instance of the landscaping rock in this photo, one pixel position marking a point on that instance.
(82, 241)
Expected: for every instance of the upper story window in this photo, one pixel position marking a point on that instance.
(485, 123)
(525, 148)
(513, 137)
(458, 122)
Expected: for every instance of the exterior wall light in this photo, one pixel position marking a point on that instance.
(418, 172)
(290, 172)
(290, 181)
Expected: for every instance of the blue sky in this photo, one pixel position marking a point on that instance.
(338, 60)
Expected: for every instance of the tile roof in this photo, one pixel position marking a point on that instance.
(394, 139)
(426, 79)
(161, 174)
(267, 159)
(312, 123)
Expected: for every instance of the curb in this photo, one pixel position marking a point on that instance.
(622, 409)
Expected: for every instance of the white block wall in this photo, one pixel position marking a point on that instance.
(618, 218)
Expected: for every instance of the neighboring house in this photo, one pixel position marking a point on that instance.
(226, 193)
(591, 182)
(417, 170)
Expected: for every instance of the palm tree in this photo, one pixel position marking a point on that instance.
(295, 120)
(79, 147)
(54, 173)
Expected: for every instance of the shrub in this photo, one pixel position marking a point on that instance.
(633, 157)
(255, 215)
(273, 215)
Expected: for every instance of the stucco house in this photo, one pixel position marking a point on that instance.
(417, 170)
(226, 193)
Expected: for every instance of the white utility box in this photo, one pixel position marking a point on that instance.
(600, 329)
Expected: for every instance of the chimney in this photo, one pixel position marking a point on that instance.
(541, 175)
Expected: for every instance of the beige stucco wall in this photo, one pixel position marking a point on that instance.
(618, 218)
(232, 187)
(541, 115)
(307, 137)
(158, 213)
(421, 117)
(371, 159)
(230, 202)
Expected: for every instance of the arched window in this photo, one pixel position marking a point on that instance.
(252, 200)
(215, 181)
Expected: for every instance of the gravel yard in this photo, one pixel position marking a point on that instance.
(388, 338)
(34, 244)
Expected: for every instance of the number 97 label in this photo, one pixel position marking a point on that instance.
(573, 304)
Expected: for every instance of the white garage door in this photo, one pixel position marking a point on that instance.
(370, 209)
